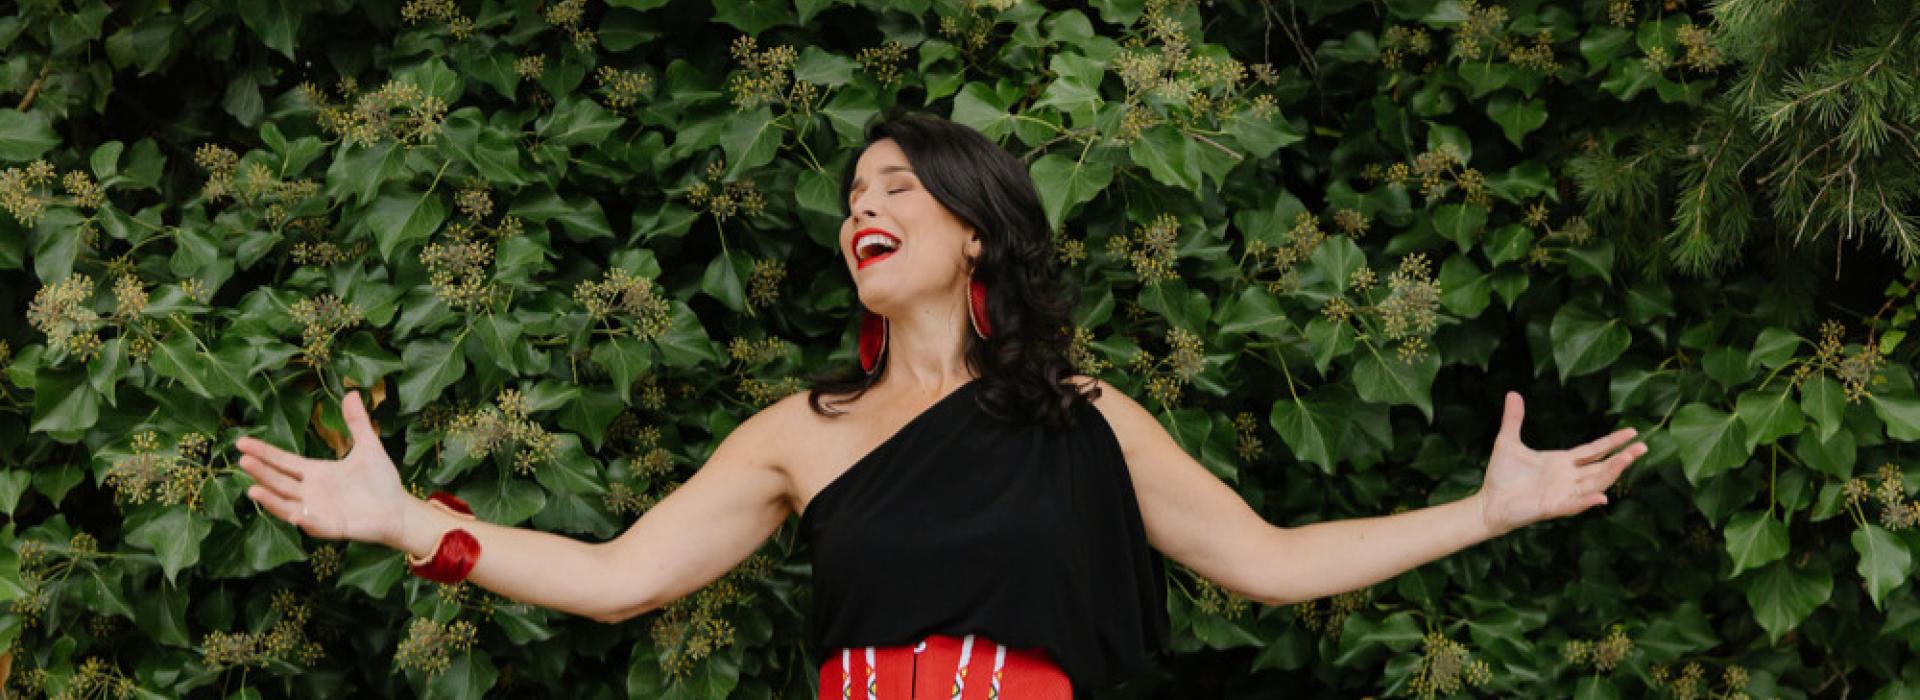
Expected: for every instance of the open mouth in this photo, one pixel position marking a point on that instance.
(873, 245)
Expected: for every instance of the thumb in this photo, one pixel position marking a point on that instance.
(1510, 419)
(358, 422)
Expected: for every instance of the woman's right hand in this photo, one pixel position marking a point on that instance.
(358, 497)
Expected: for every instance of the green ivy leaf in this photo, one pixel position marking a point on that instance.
(1754, 538)
(1773, 348)
(1516, 117)
(1329, 340)
(821, 67)
(1508, 243)
(580, 217)
(577, 120)
(1885, 561)
(24, 136)
(1169, 156)
(1591, 260)
(505, 501)
(359, 172)
(270, 542)
(1312, 426)
(1261, 136)
(371, 568)
(1584, 342)
(1901, 414)
(1768, 415)
(1460, 223)
(1255, 311)
(173, 534)
(402, 218)
(1393, 381)
(432, 366)
(1783, 595)
(490, 151)
(979, 106)
(64, 402)
(725, 280)
(1397, 632)
(1064, 183)
(1072, 92)
(162, 615)
(625, 359)
(1465, 291)
(1336, 260)
(468, 676)
(686, 344)
(276, 21)
(1821, 397)
(753, 16)
(590, 413)
(1834, 455)
(751, 140)
(1710, 441)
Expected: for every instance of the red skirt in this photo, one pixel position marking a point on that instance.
(943, 668)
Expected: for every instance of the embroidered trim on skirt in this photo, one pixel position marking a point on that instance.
(943, 667)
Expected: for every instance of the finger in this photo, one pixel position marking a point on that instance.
(290, 471)
(359, 423)
(269, 477)
(281, 507)
(1577, 504)
(1603, 475)
(293, 464)
(1598, 448)
(1619, 462)
(1510, 418)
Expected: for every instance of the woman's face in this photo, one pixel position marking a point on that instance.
(898, 242)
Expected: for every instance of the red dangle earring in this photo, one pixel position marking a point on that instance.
(873, 340)
(977, 307)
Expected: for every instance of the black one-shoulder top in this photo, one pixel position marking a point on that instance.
(960, 523)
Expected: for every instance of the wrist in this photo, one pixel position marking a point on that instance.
(421, 526)
(1484, 516)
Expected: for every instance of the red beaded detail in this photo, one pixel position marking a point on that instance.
(943, 666)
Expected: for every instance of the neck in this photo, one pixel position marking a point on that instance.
(926, 347)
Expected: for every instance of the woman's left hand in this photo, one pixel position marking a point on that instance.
(1524, 486)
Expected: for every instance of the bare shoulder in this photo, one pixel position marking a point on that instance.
(780, 423)
(1129, 420)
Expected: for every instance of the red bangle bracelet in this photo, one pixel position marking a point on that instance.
(451, 503)
(459, 550)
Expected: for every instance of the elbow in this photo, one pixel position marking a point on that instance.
(1271, 598)
(613, 617)
(622, 610)
(1279, 585)
(627, 594)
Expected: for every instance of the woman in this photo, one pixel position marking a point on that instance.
(983, 522)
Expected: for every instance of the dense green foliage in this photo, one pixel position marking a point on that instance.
(568, 247)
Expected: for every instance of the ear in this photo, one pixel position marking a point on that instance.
(973, 247)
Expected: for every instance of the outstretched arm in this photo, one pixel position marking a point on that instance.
(693, 536)
(1197, 520)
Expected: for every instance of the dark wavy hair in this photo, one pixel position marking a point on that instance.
(1023, 366)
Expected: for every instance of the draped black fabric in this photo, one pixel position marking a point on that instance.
(963, 524)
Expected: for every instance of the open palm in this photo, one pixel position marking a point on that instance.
(1524, 486)
(356, 497)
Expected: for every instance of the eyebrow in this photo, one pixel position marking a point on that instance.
(884, 170)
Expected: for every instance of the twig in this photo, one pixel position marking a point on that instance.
(1223, 149)
(34, 89)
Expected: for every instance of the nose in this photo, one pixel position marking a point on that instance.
(861, 209)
